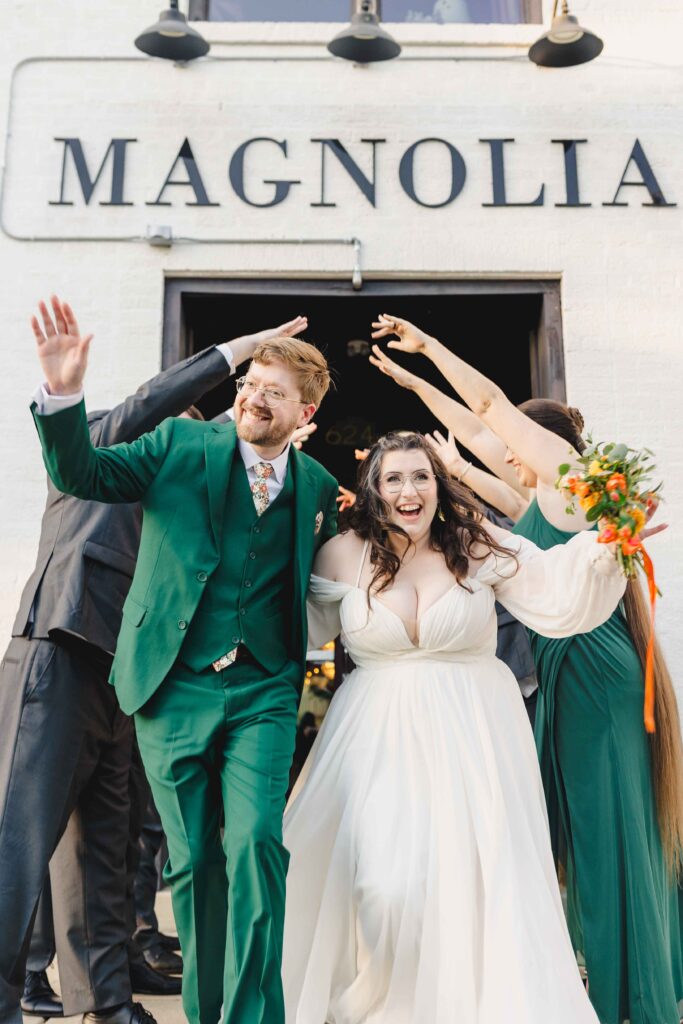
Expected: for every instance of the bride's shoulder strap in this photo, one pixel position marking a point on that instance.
(362, 562)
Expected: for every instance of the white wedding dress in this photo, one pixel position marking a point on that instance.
(421, 885)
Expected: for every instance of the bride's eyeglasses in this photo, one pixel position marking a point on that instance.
(271, 396)
(421, 480)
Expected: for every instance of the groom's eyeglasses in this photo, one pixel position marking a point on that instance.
(421, 480)
(271, 396)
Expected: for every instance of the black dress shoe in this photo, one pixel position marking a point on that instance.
(39, 998)
(159, 958)
(127, 1013)
(147, 982)
(171, 942)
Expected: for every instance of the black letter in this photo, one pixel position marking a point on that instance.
(571, 171)
(406, 173)
(194, 179)
(366, 186)
(236, 173)
(649, 181)
(498, 172)
(88, 184)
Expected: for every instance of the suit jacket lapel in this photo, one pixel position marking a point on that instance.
(219, 449)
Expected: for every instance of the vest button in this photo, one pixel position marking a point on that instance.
(257, 529)
(236, 640)
(252, 554)
(182, 624)
(247, 583)
(202, 577)
(243, 611)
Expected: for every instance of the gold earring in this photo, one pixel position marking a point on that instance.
(439, 512)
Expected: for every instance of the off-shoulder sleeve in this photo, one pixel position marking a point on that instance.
(567, 589)
(323, 608)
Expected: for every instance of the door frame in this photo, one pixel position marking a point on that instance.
(546, 344)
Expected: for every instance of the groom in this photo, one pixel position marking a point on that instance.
(211, 653)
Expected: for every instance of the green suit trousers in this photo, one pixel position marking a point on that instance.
(215, 742)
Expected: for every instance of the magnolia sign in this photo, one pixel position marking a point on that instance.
(103, 179)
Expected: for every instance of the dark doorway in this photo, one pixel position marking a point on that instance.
(510, 331)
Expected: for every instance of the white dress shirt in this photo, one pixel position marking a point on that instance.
(276, 480)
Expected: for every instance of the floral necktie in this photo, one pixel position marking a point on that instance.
(259, 488)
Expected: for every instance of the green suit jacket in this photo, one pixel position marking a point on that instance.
(179, 473)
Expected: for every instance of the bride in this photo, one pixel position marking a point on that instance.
(421, 887)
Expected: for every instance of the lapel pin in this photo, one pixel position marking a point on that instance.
(318, 522)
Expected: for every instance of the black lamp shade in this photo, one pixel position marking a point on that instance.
(364, 41)
(565, 45)
(172, 38)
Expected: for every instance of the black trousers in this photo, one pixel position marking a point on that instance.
(42, 950)
(65, 749)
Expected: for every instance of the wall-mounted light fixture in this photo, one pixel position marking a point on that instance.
(566, 44)
(364, 41)
(171, 38)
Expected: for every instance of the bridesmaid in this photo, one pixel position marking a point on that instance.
(615, 794)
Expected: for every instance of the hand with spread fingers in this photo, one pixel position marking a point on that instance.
(287, 330)
(243, 348)
(346, 498)
(409, 338)
(448, 452)
(62, 350)
(403, 377)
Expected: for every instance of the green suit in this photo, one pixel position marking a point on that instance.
(213, 743)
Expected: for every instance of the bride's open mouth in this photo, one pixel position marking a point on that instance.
(410, 511)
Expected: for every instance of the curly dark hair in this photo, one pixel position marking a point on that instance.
(462, 526)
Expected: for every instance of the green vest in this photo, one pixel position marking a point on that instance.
(248, 599)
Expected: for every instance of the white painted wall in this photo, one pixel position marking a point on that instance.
(621, 268)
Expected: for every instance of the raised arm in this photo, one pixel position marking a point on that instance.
(121, 473)
(467, 428)
(169, 393)
(488, 487)
(181, 385)
(244, 347)
(538, 448)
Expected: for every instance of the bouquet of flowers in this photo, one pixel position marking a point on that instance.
(613, 488)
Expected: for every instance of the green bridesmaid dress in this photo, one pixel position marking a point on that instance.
(624, 912)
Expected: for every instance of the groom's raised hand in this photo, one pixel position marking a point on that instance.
(62, 350)
(244, 347)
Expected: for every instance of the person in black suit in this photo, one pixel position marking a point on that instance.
(65, 749)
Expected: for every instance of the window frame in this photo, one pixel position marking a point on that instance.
(533, 15)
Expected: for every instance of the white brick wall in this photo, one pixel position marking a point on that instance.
(621, 268)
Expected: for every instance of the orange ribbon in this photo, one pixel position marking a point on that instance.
(649, 707)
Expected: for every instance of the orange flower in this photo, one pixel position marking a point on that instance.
(583, 489)
(625, 532)
(589, 501)
(629, 547)
(608, 534)
(617, 482)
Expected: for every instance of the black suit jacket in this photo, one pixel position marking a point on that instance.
(87, 550)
